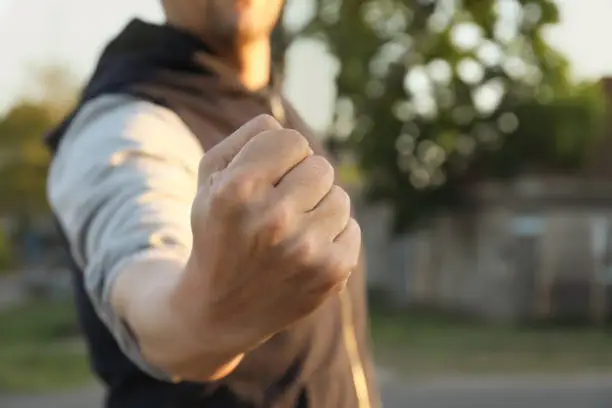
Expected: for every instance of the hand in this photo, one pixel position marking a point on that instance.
(273, 237)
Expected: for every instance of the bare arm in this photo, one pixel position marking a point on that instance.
(143, 296)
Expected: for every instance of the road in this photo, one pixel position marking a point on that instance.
(491, 392)
(528, 392)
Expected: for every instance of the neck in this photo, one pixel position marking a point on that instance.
(253, 61)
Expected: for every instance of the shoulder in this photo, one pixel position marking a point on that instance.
(120, 118)
(122, 140)
(107, 126)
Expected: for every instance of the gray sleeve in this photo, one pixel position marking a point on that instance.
(122, 184)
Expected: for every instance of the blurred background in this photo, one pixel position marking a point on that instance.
(475, 137)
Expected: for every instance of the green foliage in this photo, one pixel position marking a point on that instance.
(23, 157)
(435, 95)
(24, 163)
(6, 255)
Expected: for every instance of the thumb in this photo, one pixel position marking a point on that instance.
(222, 154)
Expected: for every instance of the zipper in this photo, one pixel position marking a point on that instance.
(352, 348)
(277, 109)
(349, 336)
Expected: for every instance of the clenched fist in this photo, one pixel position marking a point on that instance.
(273, 236)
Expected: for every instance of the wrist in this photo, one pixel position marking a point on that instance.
(214, 318)
(198, 350)
(147, 296)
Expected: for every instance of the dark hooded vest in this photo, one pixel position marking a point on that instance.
(321, 362)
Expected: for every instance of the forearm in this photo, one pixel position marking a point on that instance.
(144, 297)
(128, 226)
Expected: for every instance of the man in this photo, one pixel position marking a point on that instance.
(226, 279)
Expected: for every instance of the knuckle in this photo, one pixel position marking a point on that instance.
(355, 225)
(352, 240)
(305, 252)
(263, 137)
(276, 224)
(336, 272)
(265, 121)
(240, 188)
(236, 190)
(295, 138)
(341, 198)
(322, 166)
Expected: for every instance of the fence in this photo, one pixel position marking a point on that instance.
(534, 249)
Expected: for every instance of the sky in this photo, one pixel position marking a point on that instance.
(72, 32)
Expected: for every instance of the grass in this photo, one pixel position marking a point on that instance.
(40, 350)
(427, 344)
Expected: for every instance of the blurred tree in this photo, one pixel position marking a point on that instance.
(6, 255)
(434, 95)
(23, 157)
(55, 88)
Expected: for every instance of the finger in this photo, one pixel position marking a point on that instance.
(307, 184)
(330, 217)
(271, 154)
(346, 249)
(219, 157)
(341, 259)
